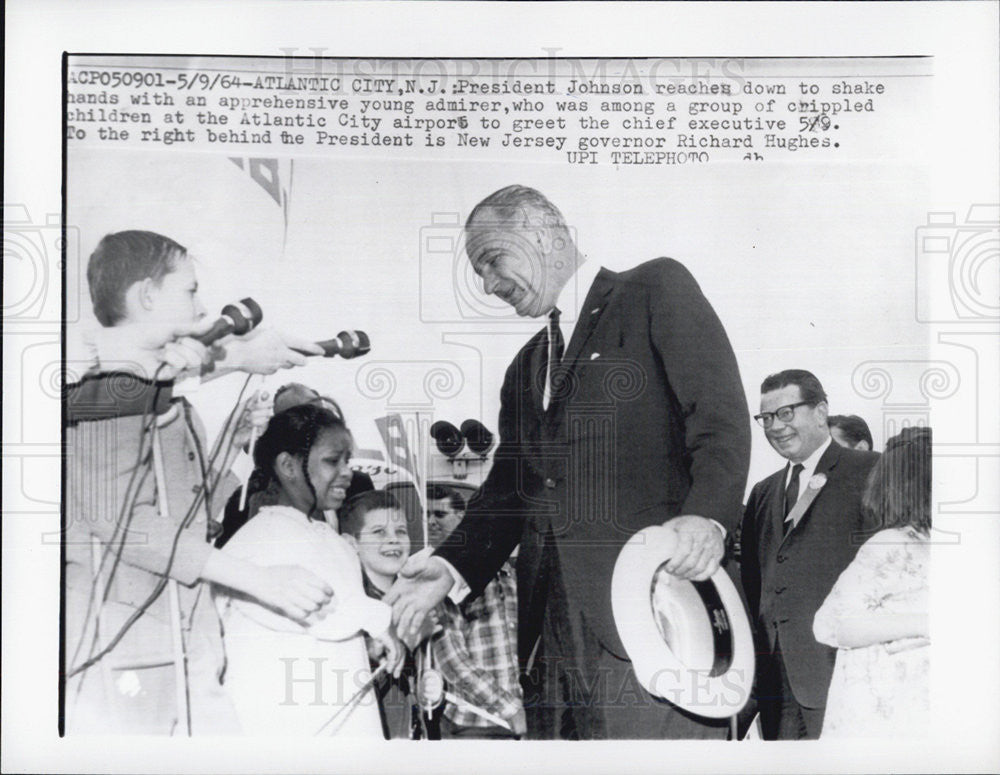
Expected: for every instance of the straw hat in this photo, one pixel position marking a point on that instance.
(689, 642)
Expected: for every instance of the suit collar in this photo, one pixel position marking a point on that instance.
(829, 459)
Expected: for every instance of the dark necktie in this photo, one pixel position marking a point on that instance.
(792, 492)
(554, 355)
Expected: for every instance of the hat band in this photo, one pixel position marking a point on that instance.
(722, 632)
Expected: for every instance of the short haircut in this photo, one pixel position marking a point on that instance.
(898, 491)
(354, 511)
(510, 203)
(437, 492)
(122, 259)
(810, 387)
(855, 429)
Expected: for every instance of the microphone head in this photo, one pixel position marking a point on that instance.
(245, 315)
(364, 343)
(353, 344)
(256, 313)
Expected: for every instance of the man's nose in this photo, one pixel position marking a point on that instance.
(199, 309)
(777, 424)
(490, 283)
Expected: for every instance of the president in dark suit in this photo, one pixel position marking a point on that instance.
(801, 528)
(623, 412)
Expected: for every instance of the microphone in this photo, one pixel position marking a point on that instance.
(239, 318)
(346, 344)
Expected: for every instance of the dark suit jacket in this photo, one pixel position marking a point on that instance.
(787, 578)
(650, 422)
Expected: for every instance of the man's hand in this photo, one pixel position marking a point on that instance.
(700, 547)
(430, 625)
(265, 351)
(294, 591)
(422, 584)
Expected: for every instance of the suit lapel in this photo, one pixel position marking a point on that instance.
(776, 511)
(593, 307)
(827, 462)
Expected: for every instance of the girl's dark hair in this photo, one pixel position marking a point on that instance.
(294, 431)
(898, 492)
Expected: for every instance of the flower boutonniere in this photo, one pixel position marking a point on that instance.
(816, 481)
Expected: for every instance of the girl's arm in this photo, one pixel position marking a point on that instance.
(879, 627)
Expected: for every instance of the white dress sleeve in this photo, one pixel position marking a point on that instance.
(352, 610)
(859, 589)
(275, 537)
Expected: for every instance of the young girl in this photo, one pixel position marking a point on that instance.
(876, 613)
(289, 677)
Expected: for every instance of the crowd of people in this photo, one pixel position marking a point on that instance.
(301, 607)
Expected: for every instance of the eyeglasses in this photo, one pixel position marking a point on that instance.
(783, 413)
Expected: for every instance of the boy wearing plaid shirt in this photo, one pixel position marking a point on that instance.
(477, 648)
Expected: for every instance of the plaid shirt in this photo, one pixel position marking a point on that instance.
(477, 652)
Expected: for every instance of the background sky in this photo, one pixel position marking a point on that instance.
(808, 265)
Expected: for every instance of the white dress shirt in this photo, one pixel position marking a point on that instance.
(808, 467)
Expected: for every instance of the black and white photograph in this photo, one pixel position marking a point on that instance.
(403, 403)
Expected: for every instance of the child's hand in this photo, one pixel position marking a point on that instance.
(390, 649)
(163, 350)
(375, 649)
(254, 416)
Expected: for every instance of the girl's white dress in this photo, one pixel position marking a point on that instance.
(879, 690)
(286, 679)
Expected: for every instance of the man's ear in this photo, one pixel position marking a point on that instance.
(823, 412)
(863, 446)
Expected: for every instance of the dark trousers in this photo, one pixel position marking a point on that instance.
(577, 690)
(781, 715)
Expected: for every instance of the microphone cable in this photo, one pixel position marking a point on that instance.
(182, 525)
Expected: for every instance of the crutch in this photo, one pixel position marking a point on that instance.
(173, 598)
(261, 395)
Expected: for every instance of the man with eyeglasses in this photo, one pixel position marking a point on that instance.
(802, 526)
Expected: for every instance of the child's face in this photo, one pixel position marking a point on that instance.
(384, 543)
(175, 298)
(329, 468)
